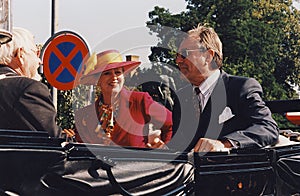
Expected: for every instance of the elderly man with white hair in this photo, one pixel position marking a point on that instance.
(25, 103)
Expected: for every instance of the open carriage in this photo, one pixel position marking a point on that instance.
(34, 164)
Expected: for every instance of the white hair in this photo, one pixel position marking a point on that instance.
(21, 38)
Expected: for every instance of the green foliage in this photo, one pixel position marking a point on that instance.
(65, 113)
(69, 101)
(261, 39)
(283, 123)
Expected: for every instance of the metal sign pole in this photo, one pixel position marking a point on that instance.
(54, 24)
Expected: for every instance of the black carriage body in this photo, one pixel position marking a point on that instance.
(269, 171)
(34, 164)
(25, 157)
(286, 165)
(237, 173)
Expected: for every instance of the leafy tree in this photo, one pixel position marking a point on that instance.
(65, 112)
(69, 101)
(260, 38)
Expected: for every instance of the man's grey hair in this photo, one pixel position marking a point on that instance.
(21, 38)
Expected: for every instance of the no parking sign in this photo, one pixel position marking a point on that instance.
(63, 56)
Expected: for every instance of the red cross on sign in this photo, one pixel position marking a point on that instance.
(63, 56)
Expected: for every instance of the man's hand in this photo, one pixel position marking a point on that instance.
(210, 145)
(154, 140)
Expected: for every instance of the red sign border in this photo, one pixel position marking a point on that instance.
(48, 48)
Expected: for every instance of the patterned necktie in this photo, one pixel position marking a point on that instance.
(197, 101)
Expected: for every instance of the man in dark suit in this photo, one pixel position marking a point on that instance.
(217, 111)
(25, 103)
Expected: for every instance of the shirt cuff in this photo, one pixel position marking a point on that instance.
(234, 144)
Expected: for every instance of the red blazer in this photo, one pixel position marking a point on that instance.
(136, 111)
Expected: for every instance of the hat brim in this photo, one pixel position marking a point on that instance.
(93, 77)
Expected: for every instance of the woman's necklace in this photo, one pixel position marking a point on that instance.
(106, 117)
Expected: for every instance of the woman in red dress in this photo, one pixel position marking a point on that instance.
(119, 116)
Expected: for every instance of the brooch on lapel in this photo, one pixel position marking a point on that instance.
(225, 115)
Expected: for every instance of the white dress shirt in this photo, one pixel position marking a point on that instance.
(207, 87)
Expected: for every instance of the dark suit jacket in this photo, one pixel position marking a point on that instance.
(250, 124)
(25, 104)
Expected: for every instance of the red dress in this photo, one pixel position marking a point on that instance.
(137, 110)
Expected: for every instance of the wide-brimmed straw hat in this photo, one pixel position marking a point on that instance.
(97, 63)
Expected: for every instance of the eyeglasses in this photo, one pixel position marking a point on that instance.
(185, 52)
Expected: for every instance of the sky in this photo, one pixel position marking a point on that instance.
(96, 21)
(103, 24)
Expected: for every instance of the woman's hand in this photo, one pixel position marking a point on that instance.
(154, 140)
(156, 143)
(69, 134)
